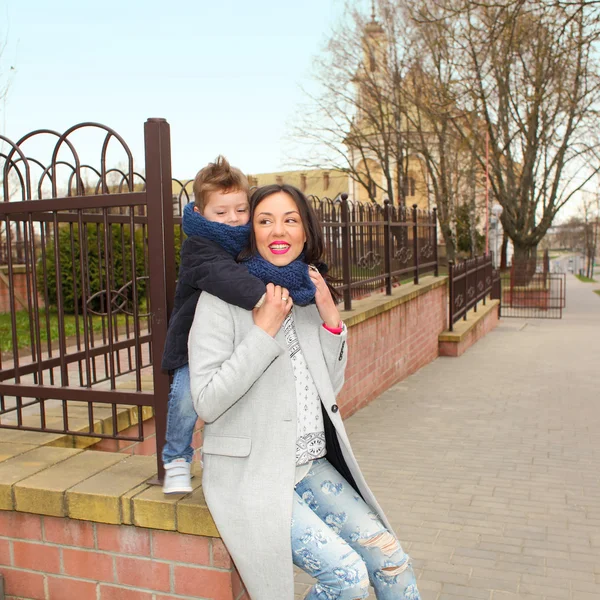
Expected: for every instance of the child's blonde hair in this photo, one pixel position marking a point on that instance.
(219, 176)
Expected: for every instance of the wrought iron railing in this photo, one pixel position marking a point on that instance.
(96, 249)
(471, 281)
(371, 247)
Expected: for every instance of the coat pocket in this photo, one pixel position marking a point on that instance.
(226, 445)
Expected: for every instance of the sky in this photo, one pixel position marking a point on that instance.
(226, 74)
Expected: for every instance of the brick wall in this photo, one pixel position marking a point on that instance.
(48, 558)
(392, 345)
(19, 283)
(481, 329)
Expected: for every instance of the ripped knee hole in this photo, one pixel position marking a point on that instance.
(385, 541)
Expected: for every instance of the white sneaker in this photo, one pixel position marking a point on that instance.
(178, 479)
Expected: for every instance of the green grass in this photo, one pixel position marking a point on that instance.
(597, 292)
(23, 330)
(585, 279)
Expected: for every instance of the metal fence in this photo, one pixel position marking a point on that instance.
(97, 248)
(471, 281)
(370, 247)
(531, 290)
(100, 255)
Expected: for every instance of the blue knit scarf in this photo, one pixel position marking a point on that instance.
(231, 239)
(294, 277)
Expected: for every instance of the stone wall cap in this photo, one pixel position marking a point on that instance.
(462, 327)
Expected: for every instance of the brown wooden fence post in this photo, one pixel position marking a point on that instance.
(346, 275)
(161, 249)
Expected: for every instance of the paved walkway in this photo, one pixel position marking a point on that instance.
(488, 465)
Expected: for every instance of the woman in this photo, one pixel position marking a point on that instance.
(276, 455)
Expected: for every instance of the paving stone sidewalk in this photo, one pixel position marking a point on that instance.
(488, 465)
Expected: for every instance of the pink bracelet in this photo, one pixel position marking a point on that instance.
(336, 330)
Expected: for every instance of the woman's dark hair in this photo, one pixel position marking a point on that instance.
(314, 247)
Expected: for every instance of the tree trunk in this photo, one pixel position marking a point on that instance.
(524, 263)
(449, 240)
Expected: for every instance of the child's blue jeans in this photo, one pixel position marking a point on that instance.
(181, 418)
(343, 544)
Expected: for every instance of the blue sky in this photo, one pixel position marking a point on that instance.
(224, 73)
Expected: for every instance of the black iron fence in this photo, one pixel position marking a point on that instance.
(471, 281)
(370, 247)
(98, 258)
(530, 290)
(97, 249)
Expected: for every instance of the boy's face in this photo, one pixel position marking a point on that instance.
(231, 208)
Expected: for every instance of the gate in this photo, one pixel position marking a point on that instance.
(534, 294)
(95, 249)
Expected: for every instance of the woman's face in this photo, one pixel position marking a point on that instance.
(278, 229)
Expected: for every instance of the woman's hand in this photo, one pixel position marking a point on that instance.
(273, 310)
(325, 303)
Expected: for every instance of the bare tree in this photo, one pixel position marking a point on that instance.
(527, 70)
(352, 122)
(385, 101)
(588, 218)
(430, 109)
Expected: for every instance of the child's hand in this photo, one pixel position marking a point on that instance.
(325, 303)
(270, 316)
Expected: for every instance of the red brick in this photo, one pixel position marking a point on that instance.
(123, 539)
(88, 565)
(62, 588)
(181, 548)
(146, 448)
(142, 573)
(220, 555)
(69, 532)
(20, 525)
(216, 585)
(237, 585)
(4, 552)
(23, 585)
(37, 557)
(112, 592)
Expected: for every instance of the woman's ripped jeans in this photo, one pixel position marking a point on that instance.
(338, 540)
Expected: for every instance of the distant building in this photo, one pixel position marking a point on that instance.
(324, 183)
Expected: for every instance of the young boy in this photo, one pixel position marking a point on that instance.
(218, 229)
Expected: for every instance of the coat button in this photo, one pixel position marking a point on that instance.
(334, 408)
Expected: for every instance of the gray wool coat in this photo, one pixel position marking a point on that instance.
(243, 388)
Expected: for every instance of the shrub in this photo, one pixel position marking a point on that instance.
(95, 264)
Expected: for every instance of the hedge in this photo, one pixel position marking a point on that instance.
(119, 258)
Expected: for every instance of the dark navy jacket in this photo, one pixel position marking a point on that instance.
(205, 266)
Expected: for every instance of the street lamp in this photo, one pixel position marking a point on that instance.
(495, 222)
